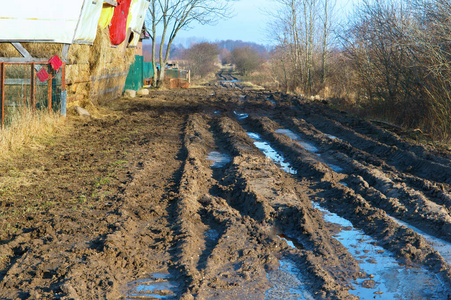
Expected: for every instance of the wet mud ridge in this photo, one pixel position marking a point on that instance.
(225, 193)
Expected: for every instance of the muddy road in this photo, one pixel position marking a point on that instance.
(225, 193)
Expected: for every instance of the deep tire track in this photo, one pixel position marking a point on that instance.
(343, 201)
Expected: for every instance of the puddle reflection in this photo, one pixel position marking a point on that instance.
(387, 278)
(442, 247)
(219, 159)
(271, 153)
(158, 286)
(287, 283)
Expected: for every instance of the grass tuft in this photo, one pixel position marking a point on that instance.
(28, 129)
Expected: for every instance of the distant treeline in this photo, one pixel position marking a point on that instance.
(177, 51)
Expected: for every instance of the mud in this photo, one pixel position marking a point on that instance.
(206, 194)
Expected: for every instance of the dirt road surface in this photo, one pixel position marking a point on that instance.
(225, 193)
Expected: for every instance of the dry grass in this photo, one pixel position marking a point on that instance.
(27, 130)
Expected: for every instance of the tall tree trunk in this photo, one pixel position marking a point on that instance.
(310, 43)
(154, 62)
(325, 37)
(162, 59)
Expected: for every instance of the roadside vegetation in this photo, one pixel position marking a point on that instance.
(28, 129)
(390, 62)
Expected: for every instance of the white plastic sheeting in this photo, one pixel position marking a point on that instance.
(40, 21)
(87, 26)
(138, 10)
(61, 21)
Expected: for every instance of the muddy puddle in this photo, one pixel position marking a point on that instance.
(218, 159)
(306, 145)
(311, 148)
(287, 283)
(241, 116)
(333, 137)
(271, 153)
(158, 286)
(271, 100)
(291, 242)
(442, 247)
(386, 278)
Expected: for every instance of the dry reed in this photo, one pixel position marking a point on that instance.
(26, 129)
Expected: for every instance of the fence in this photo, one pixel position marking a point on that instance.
(138, 72)
(30, 85)
(177, 78)
(178, 74)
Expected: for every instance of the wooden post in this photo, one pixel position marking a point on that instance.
(2, 86)
(63, 77)
(26, 89)
(49, 90)
(33, 86)
(63, 90)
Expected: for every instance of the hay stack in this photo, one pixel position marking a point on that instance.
(94, 74)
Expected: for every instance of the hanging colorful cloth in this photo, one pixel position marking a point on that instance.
(106, 15)
(43, 75)
(118, 27)
(55, 62)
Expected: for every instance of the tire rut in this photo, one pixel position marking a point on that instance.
(392, 187)
(343, 201)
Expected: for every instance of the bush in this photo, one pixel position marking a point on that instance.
(202, 58)
(246, 60)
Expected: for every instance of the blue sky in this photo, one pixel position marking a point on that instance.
(249, 23)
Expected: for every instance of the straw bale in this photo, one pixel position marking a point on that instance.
(77, 73)
(43, 50)
(106, 89)
(38, 50)
(8, 50)
(104, 56)
(79, 54)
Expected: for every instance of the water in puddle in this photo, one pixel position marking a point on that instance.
(335, 168)
(158, 286)
(306, 145)
(287, 283)
(211, 234)
(254, 136)
(291, 242)
(442, 247)
(270, 100)
(309, 147)
(241, 116)
(333, 137)
(388, 279)
(271, 153)
(219, 159)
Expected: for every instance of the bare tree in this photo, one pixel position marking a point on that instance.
(326, 19)
(202, 58)
(152, 16)
(400, 54)
(175, 15)
(303, 27)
